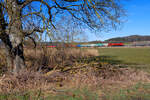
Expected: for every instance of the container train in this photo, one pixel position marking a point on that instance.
(91, 45)
(100, 45)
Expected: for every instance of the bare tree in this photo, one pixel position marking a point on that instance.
(17, 15)
(69, 31)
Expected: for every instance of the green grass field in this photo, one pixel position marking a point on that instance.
(135, 57)
(127, 55)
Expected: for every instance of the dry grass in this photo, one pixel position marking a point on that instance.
(58, 81)
(108, 79)
(49, 58)
(125, 78)
(46, 59)
(95, 77)
(20, 82)
(28, 81)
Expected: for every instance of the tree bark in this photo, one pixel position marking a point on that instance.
(12, 36)
(14, 55)
(18, 61)
(8, 46)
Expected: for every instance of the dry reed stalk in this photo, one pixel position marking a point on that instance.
(54, 58)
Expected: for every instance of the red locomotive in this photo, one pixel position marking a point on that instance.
(115, 44)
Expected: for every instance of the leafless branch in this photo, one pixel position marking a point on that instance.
(29, 32)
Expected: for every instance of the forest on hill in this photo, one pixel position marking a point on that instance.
(132, 38)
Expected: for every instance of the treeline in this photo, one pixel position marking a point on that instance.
(133, 38)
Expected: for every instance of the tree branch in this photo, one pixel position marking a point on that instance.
(26, 2)
(71, 0)
(65, 8)
(32, 41)
(29, 32)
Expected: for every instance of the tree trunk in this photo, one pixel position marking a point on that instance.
(18, 61)
(14, 46)
(9, 56)
(14, 55)
(15, 58)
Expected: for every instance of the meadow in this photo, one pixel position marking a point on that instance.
(138, 58)
(79, 74)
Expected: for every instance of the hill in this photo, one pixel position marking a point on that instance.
(132, 38)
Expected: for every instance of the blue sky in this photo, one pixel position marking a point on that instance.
(138, 21)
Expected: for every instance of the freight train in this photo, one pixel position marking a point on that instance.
(100, 45)
(91, 45)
